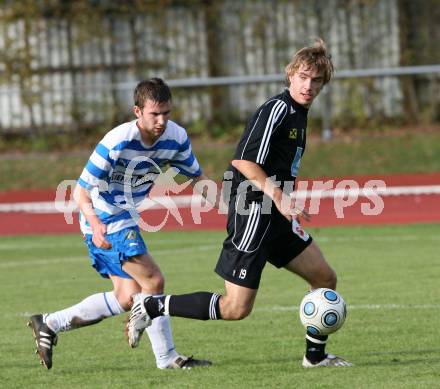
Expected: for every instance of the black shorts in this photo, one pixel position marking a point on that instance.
(256, 238)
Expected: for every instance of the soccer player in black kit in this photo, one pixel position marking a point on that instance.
(262, 219)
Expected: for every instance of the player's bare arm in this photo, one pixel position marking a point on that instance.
(258, 177)
(84, 202)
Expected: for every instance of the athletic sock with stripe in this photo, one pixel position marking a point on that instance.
(315, 347)
(198, 305)
(89, 311)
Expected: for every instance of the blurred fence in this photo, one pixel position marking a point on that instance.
(73, 65)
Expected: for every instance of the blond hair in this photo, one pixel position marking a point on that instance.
(315, 56)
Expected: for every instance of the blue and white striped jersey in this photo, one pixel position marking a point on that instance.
(122, 169)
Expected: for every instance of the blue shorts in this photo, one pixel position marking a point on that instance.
(125, 244)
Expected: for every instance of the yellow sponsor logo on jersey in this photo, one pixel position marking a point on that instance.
(293, 133)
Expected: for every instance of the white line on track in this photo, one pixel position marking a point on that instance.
(187, 201)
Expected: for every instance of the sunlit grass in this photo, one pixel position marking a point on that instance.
(387, 275)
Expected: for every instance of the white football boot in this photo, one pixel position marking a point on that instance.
(329, 360)
(138, 321)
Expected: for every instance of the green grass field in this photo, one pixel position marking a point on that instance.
(389, 277)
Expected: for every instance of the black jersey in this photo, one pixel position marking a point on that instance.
(275, 139)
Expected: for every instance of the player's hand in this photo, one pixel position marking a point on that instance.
(283, 204)
(286, 207)
(98, 238)
(301, 214)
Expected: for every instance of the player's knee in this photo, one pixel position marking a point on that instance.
(154, 283)
(159, 283)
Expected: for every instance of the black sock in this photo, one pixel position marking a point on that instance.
(198, 305)
(315, 347)
(155, 306)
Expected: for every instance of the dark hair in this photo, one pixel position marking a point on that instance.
(154, 89)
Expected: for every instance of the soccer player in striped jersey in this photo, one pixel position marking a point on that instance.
(264, 170)
(118, 176)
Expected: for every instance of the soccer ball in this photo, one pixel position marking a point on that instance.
(322, 311)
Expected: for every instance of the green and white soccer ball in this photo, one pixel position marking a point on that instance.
(322, 311)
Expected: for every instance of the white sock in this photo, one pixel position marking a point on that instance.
(162, 342)
(91, 310)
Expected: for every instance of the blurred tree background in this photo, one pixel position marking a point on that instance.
(69, 67)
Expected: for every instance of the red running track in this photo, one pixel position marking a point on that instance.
(405, 209)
